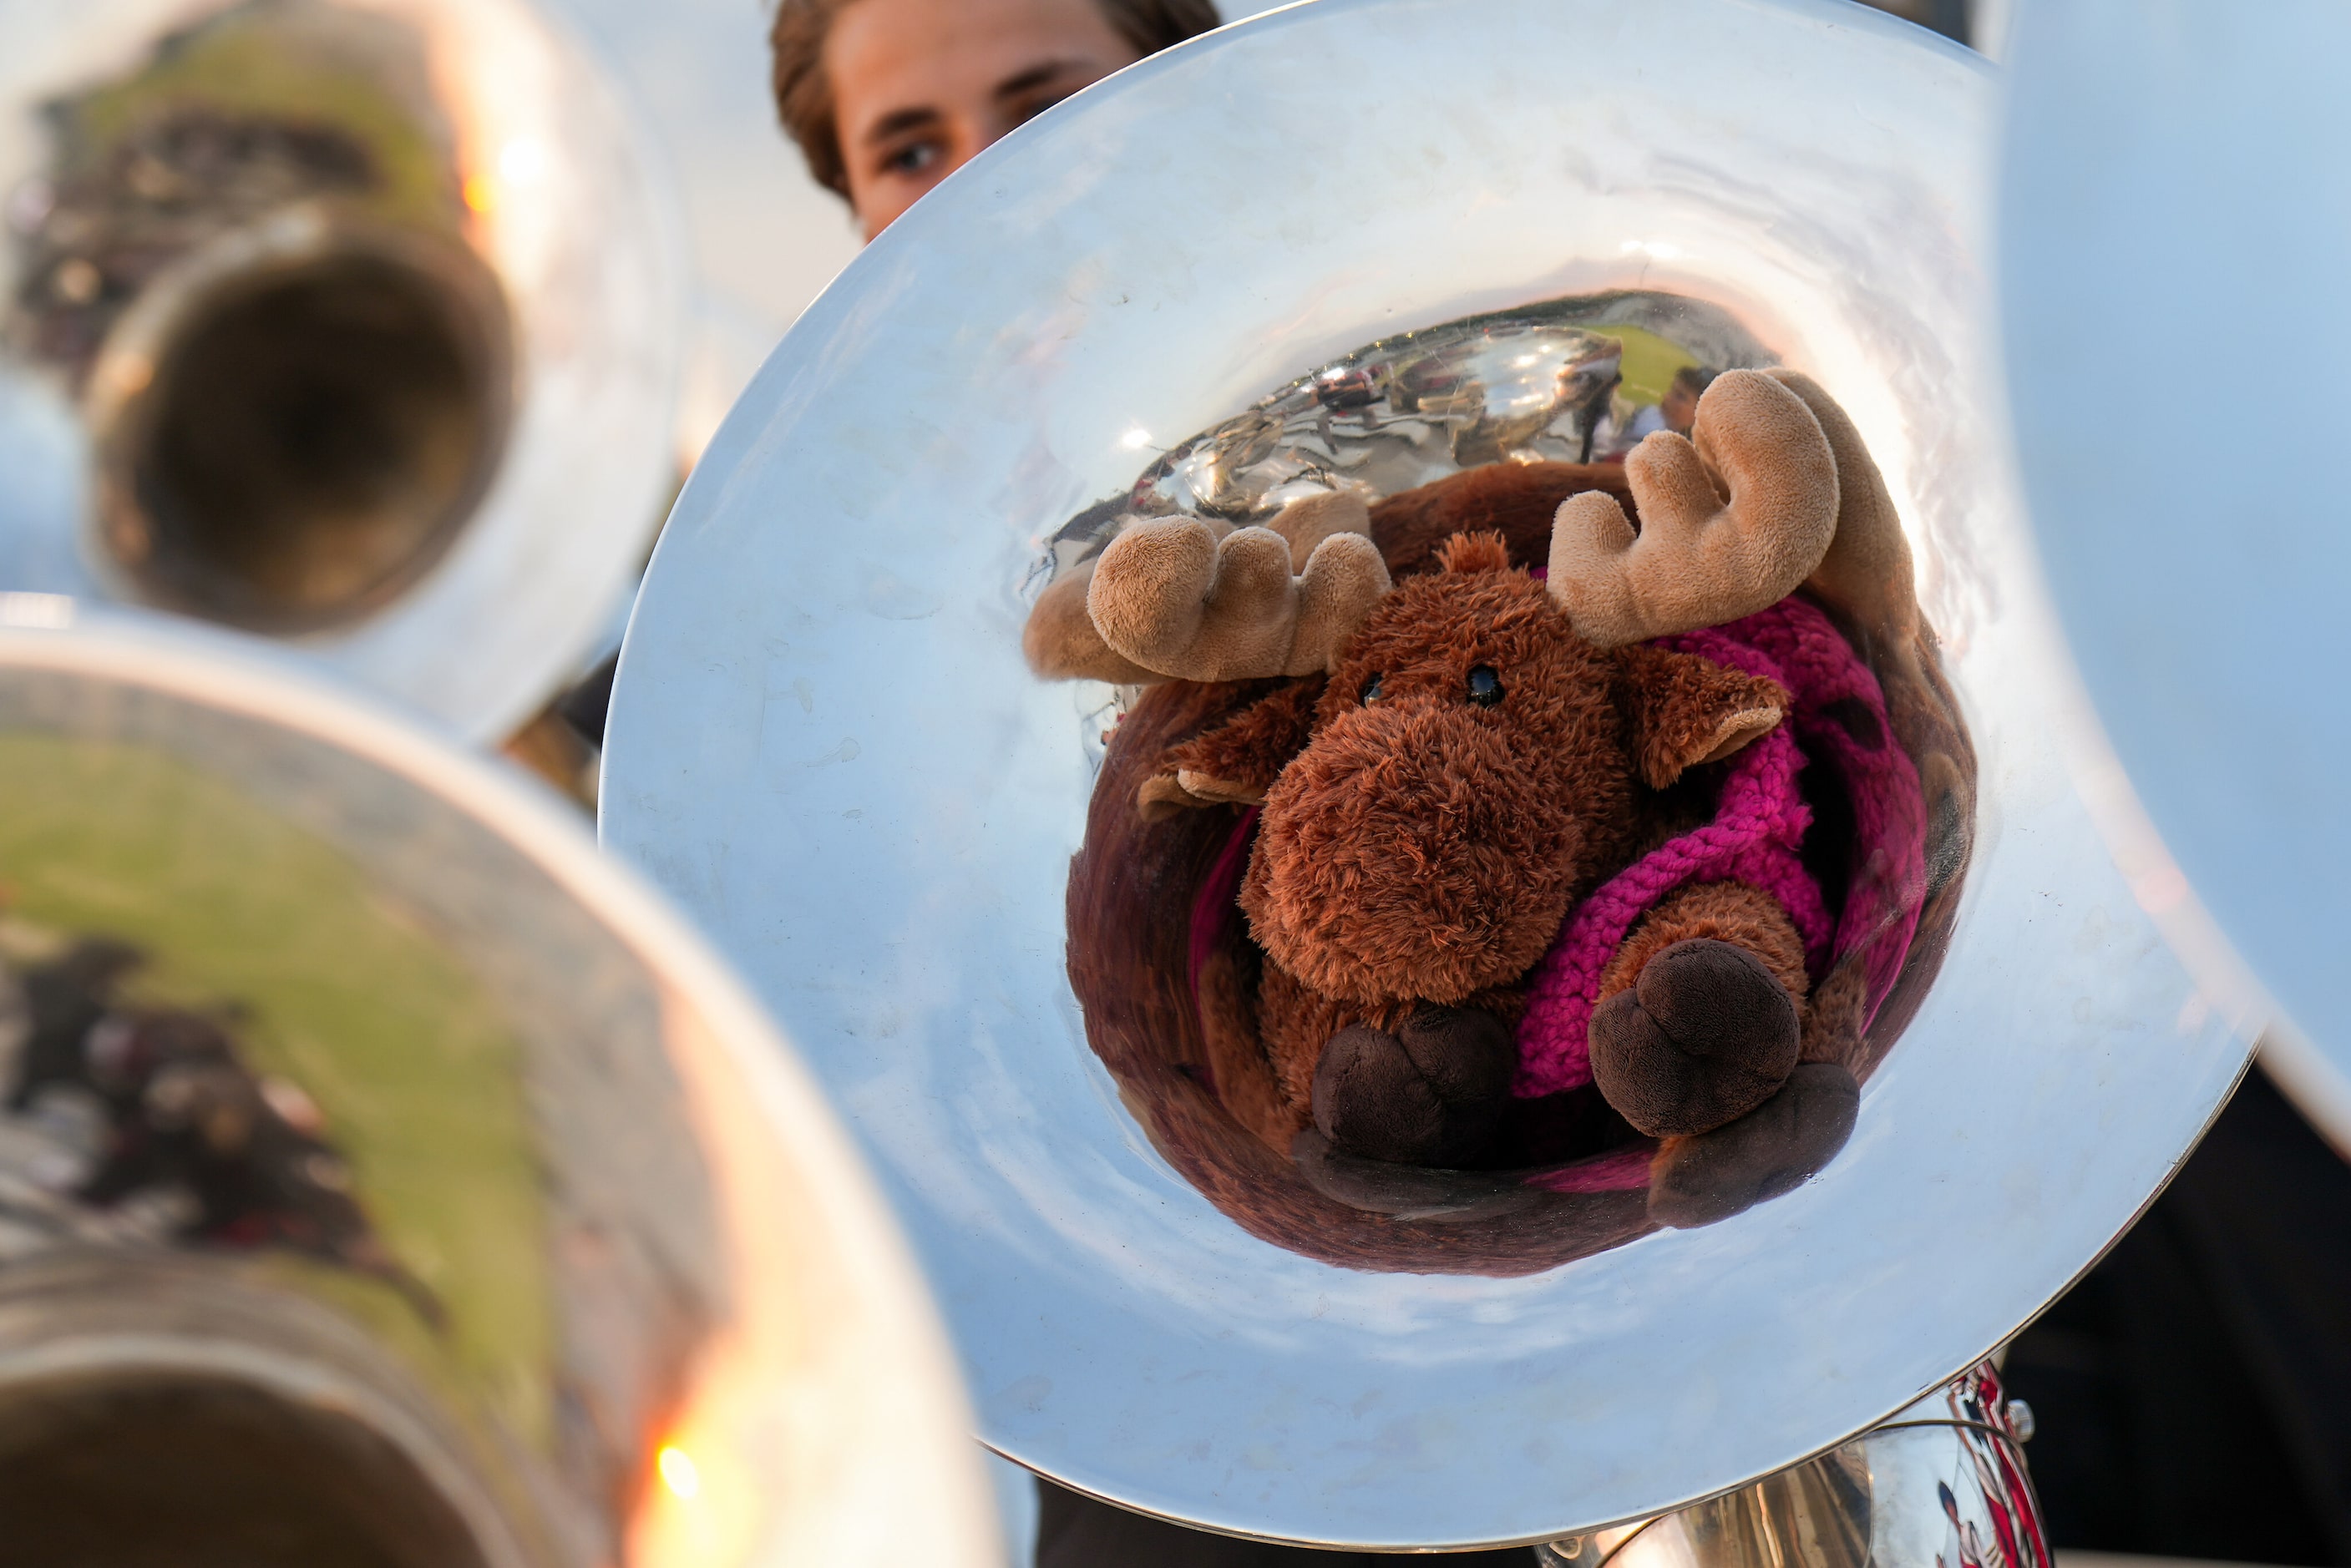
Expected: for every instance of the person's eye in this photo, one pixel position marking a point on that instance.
(1032, 108)
(912, 159)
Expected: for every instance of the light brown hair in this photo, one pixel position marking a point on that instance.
(804, 97)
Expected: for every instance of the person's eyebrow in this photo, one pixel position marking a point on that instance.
(897, 122)
(1036, 76)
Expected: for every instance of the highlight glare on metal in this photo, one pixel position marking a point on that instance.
(825, 741)
(1942, 1482)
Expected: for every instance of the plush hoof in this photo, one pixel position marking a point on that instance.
(1701, 1038)
(1431, 1094)
(1772, 1150)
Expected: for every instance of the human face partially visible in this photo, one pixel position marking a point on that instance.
(921, 86)
(1679, 408)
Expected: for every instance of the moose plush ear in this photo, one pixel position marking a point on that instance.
(1235, 763)
(1685, 711)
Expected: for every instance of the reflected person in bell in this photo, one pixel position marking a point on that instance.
(886, 98)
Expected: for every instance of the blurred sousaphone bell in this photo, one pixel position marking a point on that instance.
(826, 740)
(351, 322)
(387, 1181)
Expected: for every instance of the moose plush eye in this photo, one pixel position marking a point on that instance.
(1485, 686)
(1371, 692)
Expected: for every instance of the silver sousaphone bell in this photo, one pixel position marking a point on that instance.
(352, 322)
(1359, 246)
(385, 1179)
(2203, 598)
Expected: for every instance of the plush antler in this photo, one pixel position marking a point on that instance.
(1706, 553)
(1867, 571)
(1060, 639)
(1306, 522)
(1173, 597)
(1063, 643)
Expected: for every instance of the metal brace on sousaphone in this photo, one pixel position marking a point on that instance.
(350, 323)
(1364, 244)
(386, 1179)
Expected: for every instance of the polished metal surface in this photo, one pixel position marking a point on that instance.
(1943, 1482)
(2165, 162)
(386, 1178)
(354, 323)
(825, 742)
(1580, 379)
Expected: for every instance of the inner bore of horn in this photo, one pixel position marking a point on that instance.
(170, 1473)
(315, 437)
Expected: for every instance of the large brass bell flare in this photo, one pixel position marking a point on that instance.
(355, 325)
(387, 1181)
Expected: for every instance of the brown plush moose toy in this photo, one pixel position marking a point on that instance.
(1521, 831)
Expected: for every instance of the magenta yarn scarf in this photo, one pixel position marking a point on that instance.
(1756, 837)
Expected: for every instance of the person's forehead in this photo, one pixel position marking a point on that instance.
(886, 56)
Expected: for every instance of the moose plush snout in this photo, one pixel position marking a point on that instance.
(1415, 850)
(1472, 764)
(1465, 752)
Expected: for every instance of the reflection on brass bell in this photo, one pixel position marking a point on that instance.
(352, 326)
(386, 1179)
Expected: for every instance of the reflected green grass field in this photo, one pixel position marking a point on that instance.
(417, 1072)
(255, 65)
(1650, 362)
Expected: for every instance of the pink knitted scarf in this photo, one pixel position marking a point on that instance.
(1756, 837)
